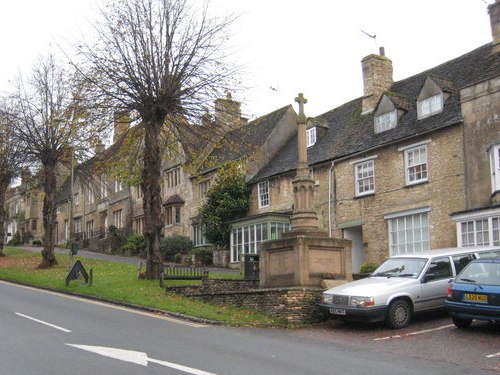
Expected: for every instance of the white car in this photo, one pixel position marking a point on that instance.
(402, 285)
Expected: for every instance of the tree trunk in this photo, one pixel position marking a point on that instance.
(153, 217)
(49, 214)
(3, 189)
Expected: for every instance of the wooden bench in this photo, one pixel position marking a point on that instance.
(184, 273)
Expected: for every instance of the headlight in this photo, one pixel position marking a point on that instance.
(327, 298)
(362, 301)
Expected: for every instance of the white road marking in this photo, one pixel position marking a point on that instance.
(429, 330)
(111, 306)
(45, 323)
(139, 358)
(493, 355)
(413, 333)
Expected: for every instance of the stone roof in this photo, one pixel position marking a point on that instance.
(174, 199)
(241, 142)
(349, 132)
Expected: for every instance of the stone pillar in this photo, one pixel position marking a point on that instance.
(304, 217)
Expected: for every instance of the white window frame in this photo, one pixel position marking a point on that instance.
(118, 218)
(364, 177)
(408, 231)
(412, 165)
(263, 192)
(311, 136)
(245, 239)
(385, 121)
(203, 187)
(90, 228)
(118, 186)
(430, 106)
(495, 168)
(173, 177)
(103, 186)
(139, 225)
(198, 236)
(479, 228)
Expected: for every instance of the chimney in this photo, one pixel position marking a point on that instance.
(228, 113)
(377, 78)
(494, 11)
(122, 123)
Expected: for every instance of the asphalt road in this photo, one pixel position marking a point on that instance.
(46, 333)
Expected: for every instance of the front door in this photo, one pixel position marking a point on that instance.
(355, 234)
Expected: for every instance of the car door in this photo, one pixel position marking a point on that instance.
(434, 284)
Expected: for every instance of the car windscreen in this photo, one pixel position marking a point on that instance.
(401, 267)
(480, 273)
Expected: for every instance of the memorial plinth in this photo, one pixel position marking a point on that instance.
(304, 259)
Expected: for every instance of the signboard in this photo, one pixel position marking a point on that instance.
(77, 272)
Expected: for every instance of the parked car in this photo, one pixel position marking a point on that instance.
(475, 293)
(401, 286)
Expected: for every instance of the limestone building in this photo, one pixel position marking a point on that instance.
(410, 165)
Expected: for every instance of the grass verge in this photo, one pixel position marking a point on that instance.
(118, 282)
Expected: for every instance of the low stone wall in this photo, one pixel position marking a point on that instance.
(295, 304)
(220, 258)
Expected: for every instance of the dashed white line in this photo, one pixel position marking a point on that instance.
(45, 323)
(493, 355)
(413, 333)
(111, 306)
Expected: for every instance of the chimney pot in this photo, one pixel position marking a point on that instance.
(494, 11)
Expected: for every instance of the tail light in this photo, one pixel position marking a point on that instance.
(449, 292)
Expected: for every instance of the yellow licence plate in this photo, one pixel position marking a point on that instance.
(482, 298)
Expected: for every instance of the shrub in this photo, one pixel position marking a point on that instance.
(26, 237)
(116, 240)
(16, 240)
(36, 243)
(178, 258)
(202, 256)
(171, 245)
(368, 267)
(135, 245)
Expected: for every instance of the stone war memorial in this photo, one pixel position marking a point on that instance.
(303, 256)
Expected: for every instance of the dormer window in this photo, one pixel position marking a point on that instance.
(385, 121)
(430, 101)
(430, 106)
(386, 115)
(311, 136)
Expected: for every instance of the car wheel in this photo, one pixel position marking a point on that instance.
(399, 314)
(462, 323)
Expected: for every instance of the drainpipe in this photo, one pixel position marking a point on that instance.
(330, 200)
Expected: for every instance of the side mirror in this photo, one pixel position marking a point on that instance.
(428, 277)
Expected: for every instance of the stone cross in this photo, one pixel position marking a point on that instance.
(301, 100)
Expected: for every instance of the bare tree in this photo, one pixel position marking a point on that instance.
(11, 161)
(52, 127)
(163, 60)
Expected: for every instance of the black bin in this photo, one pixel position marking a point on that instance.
(251, 268)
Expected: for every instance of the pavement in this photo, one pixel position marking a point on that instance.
(118, 258)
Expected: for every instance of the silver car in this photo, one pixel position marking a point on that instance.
(401, 286)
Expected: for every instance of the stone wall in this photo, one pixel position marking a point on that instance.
(296, 305)
(220, 258)
(481, 111)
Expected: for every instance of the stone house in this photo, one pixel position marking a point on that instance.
(188, 170)
(410, 165)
